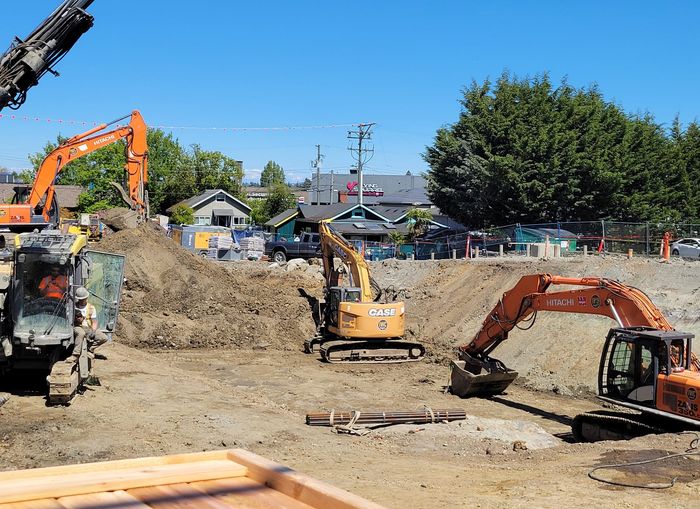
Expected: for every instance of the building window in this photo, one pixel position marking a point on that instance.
(240, 220)
(221, 197)
(202, 220)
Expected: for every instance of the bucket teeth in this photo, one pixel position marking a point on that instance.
(473, 377)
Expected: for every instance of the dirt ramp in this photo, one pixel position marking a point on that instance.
(174, 299)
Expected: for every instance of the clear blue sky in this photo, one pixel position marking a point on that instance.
(401, 64)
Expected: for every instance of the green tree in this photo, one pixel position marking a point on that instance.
(174, 174)
(396, 238)
(280, 199)
(182, 214)
(257, 211)
(272, 174)
(418, 222)
(523, 150)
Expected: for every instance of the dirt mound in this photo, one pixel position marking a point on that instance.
(447, 301)
(119, 218)
(174, 299)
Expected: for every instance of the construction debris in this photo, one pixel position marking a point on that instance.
(4, 398)
(341, 418)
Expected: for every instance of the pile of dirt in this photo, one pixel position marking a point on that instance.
(174, 299)
(119, 218)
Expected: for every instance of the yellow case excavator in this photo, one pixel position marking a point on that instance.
(354, 325)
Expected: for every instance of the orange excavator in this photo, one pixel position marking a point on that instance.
(646, 366)
(37, 206)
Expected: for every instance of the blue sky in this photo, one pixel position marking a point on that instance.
(401, 64)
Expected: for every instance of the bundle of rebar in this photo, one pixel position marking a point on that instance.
(424, 416)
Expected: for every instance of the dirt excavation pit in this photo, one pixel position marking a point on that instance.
(218, 364)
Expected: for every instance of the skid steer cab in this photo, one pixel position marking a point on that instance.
(40, 280)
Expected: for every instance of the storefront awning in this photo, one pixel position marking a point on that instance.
(223, 212)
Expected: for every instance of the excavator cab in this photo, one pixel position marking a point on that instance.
(640, 363)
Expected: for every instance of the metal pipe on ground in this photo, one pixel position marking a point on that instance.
(392, 417)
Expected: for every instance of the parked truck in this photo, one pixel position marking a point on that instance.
(306, 245)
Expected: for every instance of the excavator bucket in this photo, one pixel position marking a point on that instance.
(474, 377)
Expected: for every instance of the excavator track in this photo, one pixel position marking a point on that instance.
(606, 425)
(374, 351)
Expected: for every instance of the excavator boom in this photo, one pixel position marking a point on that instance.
(39, 208)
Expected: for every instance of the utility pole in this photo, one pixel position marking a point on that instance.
(317, 164)
(361, 154)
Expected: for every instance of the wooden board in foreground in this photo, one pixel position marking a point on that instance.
(218, 479)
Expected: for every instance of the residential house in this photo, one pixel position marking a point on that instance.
(217, 207)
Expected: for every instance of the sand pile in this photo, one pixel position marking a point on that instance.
(174, 299)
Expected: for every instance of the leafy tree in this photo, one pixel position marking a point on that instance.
(272, 174)
(418, 222)
(523, 150)
(397, 238)
(257, 211)
(279, 200)
(174, 173)
(182, 214)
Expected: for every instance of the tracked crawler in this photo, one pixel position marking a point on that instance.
(646, 366)
(354, 325)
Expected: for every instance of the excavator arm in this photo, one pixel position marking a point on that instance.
(26, 61)
(332, 245)
(628, 306)
(42, 193)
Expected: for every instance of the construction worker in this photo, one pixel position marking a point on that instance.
(54, 285)
(86, 325)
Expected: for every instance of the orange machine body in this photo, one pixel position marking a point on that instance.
(39, 207)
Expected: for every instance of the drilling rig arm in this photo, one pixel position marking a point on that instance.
(26, 61)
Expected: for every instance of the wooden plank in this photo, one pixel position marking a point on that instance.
(244, 493)
(177, 496)
(315, 493)
(84, 483)
(34, 504)
(104, 466)
(108, 500)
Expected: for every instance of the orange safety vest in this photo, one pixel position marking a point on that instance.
(53, 287)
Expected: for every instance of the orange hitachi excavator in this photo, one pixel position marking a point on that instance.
(37, 206)
(646, 366)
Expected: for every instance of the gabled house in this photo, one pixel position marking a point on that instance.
(218, 208)
(354, 221)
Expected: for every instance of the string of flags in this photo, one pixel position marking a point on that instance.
(60, 121)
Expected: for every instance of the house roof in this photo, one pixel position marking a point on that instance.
(206, 195)
(282, 217)
(414, 197)
(393, 213)
(317, 213)
(67, 196)
(322, 212)
(369, 227)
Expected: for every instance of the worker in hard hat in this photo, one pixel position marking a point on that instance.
(86, 325)
(54, 284)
